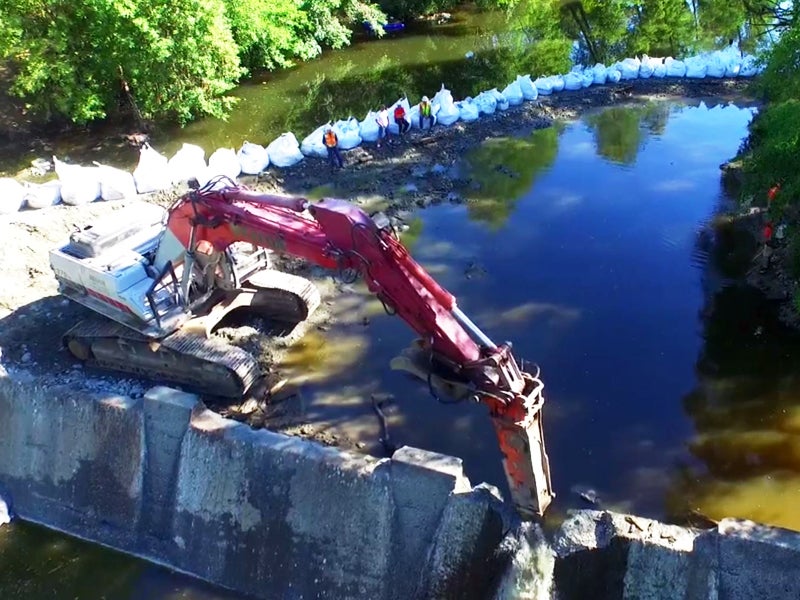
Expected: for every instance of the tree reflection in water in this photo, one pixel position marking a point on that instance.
(746, 412)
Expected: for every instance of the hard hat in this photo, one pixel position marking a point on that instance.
(424, 98)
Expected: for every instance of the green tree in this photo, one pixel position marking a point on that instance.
(71, 58)
(270, 34)
(662, 28)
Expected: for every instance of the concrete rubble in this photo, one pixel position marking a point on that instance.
(600, 555)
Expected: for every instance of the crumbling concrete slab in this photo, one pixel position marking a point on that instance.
(258, 512)
(611, 556)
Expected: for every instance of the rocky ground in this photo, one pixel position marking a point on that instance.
(426, 168)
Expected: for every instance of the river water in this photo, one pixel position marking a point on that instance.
(670, 389)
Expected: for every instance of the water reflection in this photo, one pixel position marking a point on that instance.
(620, 132)
(504, 169)
(746, 411)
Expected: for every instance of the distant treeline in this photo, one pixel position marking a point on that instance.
(176, 59)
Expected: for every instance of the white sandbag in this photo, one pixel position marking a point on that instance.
(393, 128)
(573, 81)
(749, 67)
(613, 75)
(42, 195)
(529, 91)
(733, 68)
(223, 162)
(115, 184)
(696, 67)
(347, 132)
(500, 97)
(557, 82)
(715, 66)
(486, 102)
(599, 74)
(544, 86)
(468, 110)
(151, 174)
(675, 68)
(253, 158)
(313, 145)
(513, 93)
(284, 151)
(79, 185)
(447, 112)
(645, 68)
(187, 163)
(629, 68)
(660, 70)
(368, 128)
(12, 196)
(587, 79)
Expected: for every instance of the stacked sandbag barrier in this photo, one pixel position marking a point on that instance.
(76, 184)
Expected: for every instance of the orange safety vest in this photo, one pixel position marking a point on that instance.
(399, 112)
(773, 191)
(330, 139)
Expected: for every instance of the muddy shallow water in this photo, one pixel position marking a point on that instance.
(669, 390)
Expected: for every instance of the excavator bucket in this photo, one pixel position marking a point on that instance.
(521, 439)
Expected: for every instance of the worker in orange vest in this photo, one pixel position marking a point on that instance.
(331, 141)
(400, 118)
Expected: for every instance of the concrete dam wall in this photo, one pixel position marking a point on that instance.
(269, 515)
(272, 516)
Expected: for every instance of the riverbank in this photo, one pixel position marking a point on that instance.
(427, 168)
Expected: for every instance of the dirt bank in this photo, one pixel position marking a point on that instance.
(425, 169)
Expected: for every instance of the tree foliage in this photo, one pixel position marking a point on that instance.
(177, 58)
(771, 151)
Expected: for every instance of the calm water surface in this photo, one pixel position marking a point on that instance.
(669, 388)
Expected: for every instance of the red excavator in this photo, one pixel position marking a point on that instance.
(165, 279)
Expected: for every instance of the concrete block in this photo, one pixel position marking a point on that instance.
(756, 561)
(276, 516)
(167, 413)
(421, 484)
(465, 547)
(586, 544)
(72, 461)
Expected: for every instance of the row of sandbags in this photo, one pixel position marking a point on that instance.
(721, 63)
(79, 184)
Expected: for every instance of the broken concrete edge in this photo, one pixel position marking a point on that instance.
(262, 513)
(605, 555)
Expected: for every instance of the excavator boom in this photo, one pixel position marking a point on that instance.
(336, 234)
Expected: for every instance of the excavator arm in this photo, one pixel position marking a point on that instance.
(336, 234)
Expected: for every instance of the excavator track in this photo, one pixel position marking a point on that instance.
(204, 365)
(189, 357)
